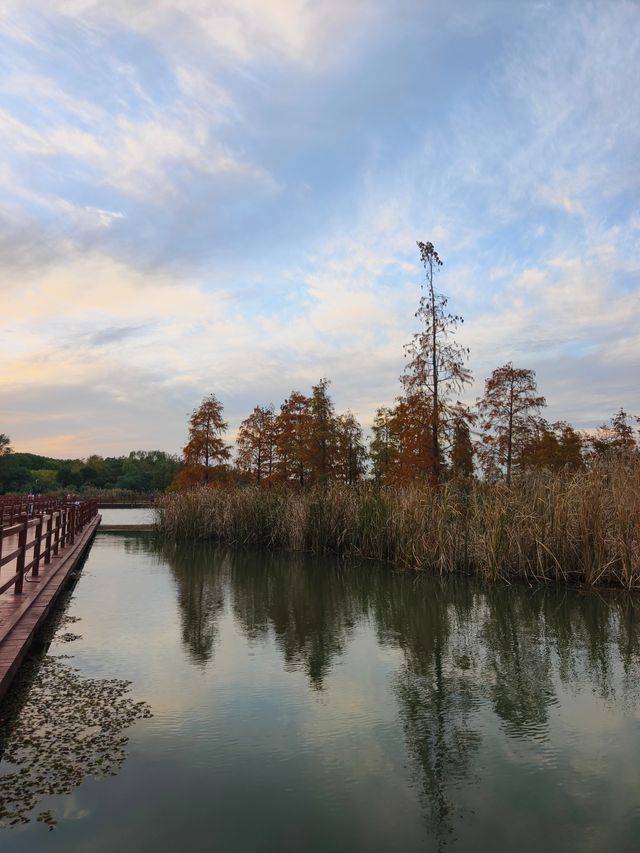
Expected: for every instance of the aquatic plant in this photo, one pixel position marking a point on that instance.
(570, 526)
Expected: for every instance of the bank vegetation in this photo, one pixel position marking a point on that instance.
(571, 526)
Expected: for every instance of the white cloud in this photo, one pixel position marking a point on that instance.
(304, 32)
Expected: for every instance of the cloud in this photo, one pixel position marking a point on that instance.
(226, 196)
(297, 31)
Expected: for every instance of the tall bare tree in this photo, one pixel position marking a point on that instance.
(509, 417)
(436, 365)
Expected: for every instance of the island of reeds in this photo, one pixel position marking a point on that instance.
(492, 488)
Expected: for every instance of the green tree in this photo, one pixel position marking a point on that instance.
(351, 455)
(555, 446)
(5, 444)
(383, 449)
(462, 450)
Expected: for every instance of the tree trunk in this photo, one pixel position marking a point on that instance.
(435, 438)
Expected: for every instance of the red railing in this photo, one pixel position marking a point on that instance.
(55, 524)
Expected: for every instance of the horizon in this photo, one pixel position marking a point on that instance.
(227, 199)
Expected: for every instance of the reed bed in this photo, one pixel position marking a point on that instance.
(580, 527)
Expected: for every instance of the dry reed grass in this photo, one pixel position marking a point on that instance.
(569, 527)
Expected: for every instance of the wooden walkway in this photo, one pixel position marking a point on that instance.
(28, 590)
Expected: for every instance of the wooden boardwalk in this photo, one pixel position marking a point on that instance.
(28, 590)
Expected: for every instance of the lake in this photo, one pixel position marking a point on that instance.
(197, 698)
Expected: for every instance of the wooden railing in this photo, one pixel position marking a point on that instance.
(55, 525)
(142, 500)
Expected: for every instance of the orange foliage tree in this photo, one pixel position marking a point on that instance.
(292, 429)
(256, 444)
(413, 457)
(205, 454)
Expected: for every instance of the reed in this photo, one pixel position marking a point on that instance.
(569, 527)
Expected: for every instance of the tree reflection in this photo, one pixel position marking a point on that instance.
(465, 647)
(518, 667)
(306, 603)
(437, 688)
(202, 578)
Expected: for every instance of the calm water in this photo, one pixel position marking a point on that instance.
(301, 704)
(137, 515)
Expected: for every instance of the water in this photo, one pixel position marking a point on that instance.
(300, 703)
(136, 515)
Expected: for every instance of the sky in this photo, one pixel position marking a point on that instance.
(224, 196)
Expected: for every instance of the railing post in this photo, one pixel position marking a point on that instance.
(36, 550)
(56, 536)
(47, 552)
(22, 541)
(72, 525)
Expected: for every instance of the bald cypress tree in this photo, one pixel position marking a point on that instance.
(436, 362)
(206, 447)
(509, 414)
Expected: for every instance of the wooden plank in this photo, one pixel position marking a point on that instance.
(21, 616)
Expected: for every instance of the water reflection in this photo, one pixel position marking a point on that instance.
(466, 648)
(309, 612)
(58, 727)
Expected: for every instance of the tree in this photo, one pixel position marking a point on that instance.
(414, 457)
(616, 437)
(462, 449)
(554, 446)
(66, 476)
(256, 444)
(509, 418)
(5, 444)
(292, 432)
(383, 449)
(436, 362)
(321, 445)
(350, 451)
(205, 446)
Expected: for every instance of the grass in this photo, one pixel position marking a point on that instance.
(579, 527)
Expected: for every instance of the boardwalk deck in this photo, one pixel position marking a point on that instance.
(22, 615)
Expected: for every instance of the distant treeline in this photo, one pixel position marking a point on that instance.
(140, 471)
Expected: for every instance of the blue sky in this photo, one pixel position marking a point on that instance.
(225, 196)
